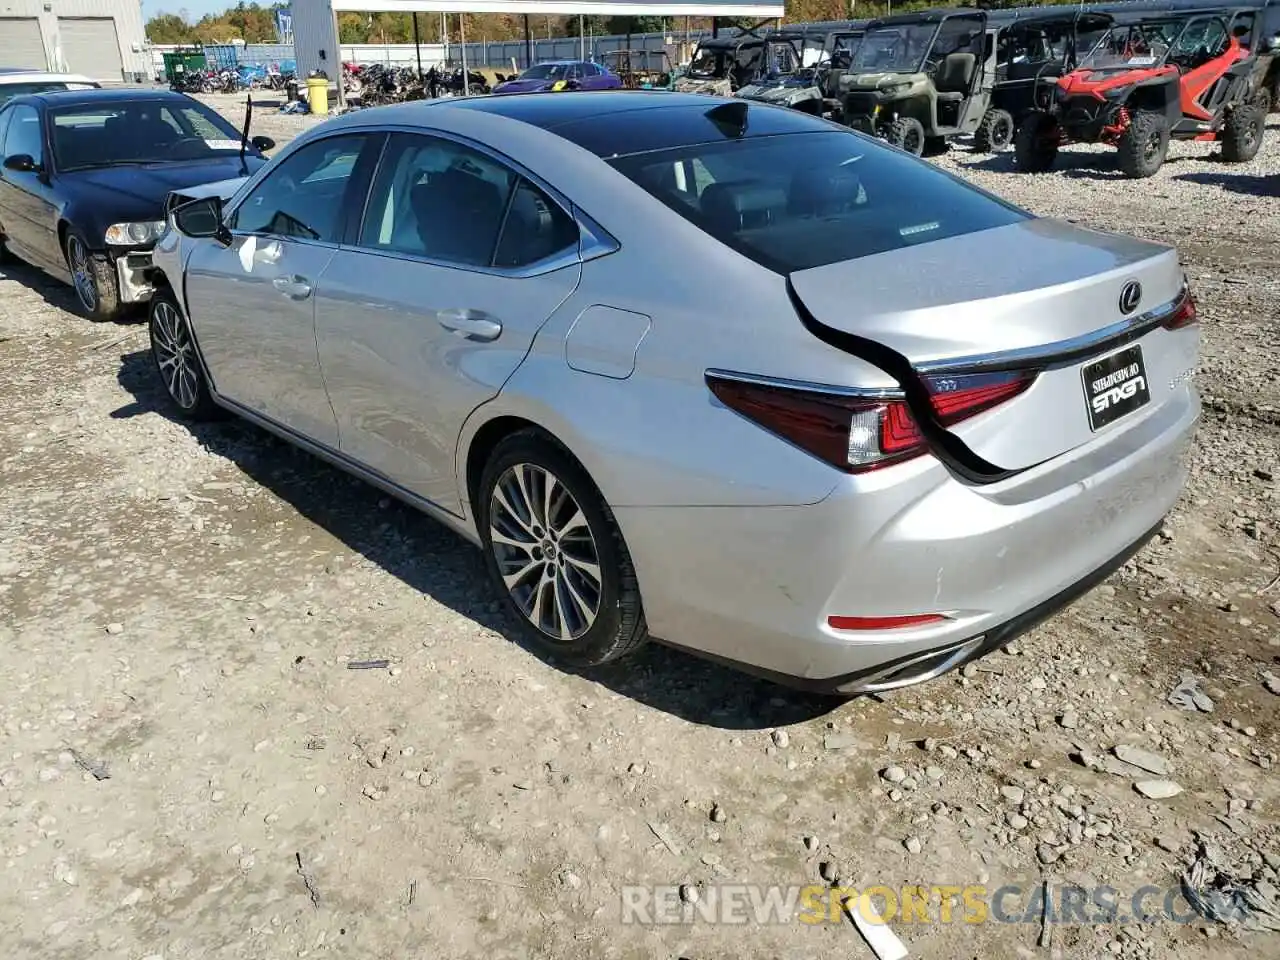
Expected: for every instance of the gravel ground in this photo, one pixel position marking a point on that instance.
(178, 607)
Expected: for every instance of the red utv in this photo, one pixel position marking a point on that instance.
(1148, 81)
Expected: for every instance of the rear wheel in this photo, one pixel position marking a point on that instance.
(554, 550)
(1144, 145)
(907, 133)
(1263, 100)
(1035, 145)
(995, 132)
(1242, 132)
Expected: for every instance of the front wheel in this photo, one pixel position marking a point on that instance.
(173, 350)
(995, 132)
(907, 133)
(1144, 145)
(93, 279)
(554, 550)
(1035, 144)
(1242, 132)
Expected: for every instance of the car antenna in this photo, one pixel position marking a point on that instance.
(730, 117)
(244, 133)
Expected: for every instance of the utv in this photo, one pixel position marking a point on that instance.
(790, 79)
(721, 65)
(920, 78)
(1184, 77)
(1261, 37)
(1032, 52)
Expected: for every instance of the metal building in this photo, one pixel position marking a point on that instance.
(102, 39)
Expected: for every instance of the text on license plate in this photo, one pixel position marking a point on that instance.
(1115, 386)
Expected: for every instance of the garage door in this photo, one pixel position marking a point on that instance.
(90, 47)
(21, 46)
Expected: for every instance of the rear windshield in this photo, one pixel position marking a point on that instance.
(797, 201)
(10, 90)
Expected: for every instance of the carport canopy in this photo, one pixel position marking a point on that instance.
(527, 8)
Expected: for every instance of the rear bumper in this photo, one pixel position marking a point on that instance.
(922, 666)
(754, 586)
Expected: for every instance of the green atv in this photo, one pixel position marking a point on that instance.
(919, 79)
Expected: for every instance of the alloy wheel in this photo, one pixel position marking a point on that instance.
(1152, 148)
(546, 552)
(175, 354)
(82, 274)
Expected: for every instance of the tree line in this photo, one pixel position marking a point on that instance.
(254, 23)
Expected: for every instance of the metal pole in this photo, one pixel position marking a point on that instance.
(582, 37)
(462, 40)
(528, 42)
(417, 44)
(444, 36)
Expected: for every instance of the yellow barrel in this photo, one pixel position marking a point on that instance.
(318, 94)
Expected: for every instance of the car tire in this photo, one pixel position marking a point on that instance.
(1263, 100)
(907, 133)
(995, 132)
(177, 360)
(93, 279)
(1144, 146)
(1242, 132)
(567, 579)
(1035, 144)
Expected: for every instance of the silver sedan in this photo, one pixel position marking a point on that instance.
(694, 369)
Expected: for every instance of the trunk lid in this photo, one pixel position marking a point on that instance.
(1040, 295)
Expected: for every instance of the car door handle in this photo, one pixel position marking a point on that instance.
(294, 287)
(472, 324)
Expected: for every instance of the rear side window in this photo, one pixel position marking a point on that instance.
(798, 201)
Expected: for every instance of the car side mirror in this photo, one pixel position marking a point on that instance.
(262, 144)
(21, 163)
(202, 219)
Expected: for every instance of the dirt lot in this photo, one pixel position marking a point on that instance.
(178, 608)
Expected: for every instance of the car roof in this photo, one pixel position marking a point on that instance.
(608, 123)
(730, 43)
(69, 98)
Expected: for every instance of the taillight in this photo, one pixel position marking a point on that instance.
(1183, 313)
(860, 432)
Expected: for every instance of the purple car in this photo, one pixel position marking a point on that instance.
(561, 75)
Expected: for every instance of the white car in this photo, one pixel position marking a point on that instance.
(14, 83)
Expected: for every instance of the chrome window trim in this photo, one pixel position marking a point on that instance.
(1060, 353)
(859, 393)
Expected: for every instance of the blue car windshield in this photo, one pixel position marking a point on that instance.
(139, 132)
(546, 71)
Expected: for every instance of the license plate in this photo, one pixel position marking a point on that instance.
(1115, 386)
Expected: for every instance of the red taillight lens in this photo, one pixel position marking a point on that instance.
(857, 433)
(884, 623)
(1183, 313)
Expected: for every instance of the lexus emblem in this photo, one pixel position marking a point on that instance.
(1130, 297)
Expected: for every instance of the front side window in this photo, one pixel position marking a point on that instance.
(798, 201)
(23, 135)
(141, 132)
(304, 196)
